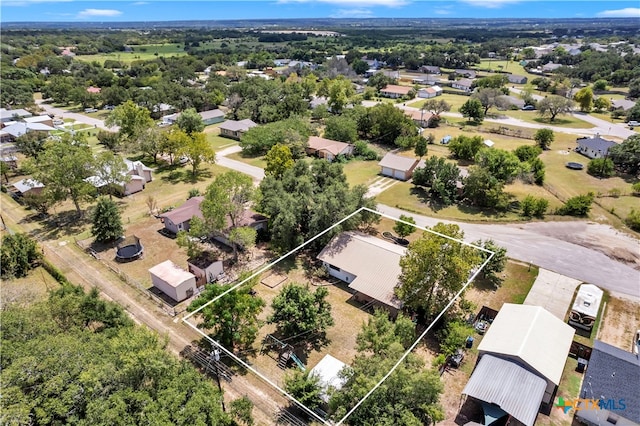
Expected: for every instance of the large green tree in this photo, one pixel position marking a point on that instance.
(404, 229)
(385, 124)
(482, 189)
(308, 199)
(131, 118)
(278, 159)
(496, 264)
(544, 138)
(434, 269)
(584, 98)
(553, 105)
(107, 224)
(297, 310)
(473, 109)
(190, 122)
(63, 167)
(503, 165)
(232, 319)
(18, 255)
(490, 97)
(76, 359)
(197, 150)
(293, 132)
(441, 177)
(111, 170)
(626, 156)
(410, 396)
(465, 147)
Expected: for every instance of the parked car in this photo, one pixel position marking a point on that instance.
(481, 326)
(528, 108)
(58, 122)
(90, 110)
(633, 124)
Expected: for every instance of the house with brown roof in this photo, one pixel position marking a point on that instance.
(369, 265)
(178, 219)
(235, 129)
(327, 148)
(394, 91)
(421, 118)
(397, 166)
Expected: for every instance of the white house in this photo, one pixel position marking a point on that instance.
(369, 265)
(397, 166)
(462, 84)
(594, 147)
(173, 281)
(394, 91)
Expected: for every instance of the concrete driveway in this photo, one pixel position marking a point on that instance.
(553, 292)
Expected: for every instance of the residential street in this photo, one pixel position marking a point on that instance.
(255, 172)
(76, 116)
(568, 248)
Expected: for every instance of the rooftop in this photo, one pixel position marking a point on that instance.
(171, 273)
(374, 262)
(235, 126)
(596, 143)
(334, 147)
(398, 162)
(394, 88)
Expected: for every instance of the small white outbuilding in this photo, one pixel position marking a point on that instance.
(173, 281)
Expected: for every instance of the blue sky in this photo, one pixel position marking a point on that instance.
(165, 10)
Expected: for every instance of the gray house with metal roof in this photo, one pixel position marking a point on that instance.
(613, 378)
(595, 147)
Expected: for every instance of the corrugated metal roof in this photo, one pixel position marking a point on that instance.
(508, 385)
(25, 185)
(398, 162)
(532, 334)
(374, 262)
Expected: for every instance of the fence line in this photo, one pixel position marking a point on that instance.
(130, 281)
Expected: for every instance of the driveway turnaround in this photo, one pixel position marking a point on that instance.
(553, 292)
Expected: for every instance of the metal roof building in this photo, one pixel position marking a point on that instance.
(527, 348)
(370, 265)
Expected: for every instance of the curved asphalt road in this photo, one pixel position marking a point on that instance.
(525, 244)
(76, 116)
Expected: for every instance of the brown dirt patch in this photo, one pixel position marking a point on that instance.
(621, 320)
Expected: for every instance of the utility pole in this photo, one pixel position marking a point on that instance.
(215, 356)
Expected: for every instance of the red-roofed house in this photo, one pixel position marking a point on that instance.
(92, 89)
(394, 91)
(327, 148)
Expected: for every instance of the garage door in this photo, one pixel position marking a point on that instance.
(399, 174)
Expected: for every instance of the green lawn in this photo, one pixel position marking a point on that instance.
(455, 101)
(361, 172)
(139, 53)
(512, 67)
(254, 161)
(218, 142)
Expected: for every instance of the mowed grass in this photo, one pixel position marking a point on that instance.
(361, 172)
(34, 287)
(512, 67)
(257, 161)
(568, 183)
(141, 52)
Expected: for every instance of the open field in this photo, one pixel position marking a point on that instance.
(361, 172)
(142, 52)
(35, 286)
(512, 67)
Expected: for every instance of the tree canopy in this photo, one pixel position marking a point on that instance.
(434, 269)
(94, 366)
(107, 224)
(18, 255)
(307, 199)
(297, 310)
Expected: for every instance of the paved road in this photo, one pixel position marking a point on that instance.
(76, 116)
(527, 244)
(255, 172)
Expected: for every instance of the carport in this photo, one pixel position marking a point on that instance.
(504, 387)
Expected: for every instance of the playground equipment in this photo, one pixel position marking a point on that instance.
(285, 351)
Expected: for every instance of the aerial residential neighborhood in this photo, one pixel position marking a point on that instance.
(307, 213)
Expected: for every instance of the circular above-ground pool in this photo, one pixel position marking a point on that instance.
(574, 166)
(129, 249)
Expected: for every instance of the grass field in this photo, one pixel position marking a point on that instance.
(141, 52)
(512, 67)
(361, 172)
(35, 286)
(253, 161)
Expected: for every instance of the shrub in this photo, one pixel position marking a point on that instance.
(635, 189)
(577, 206)
(362, 150)
(600, 167)
(527, 152)
(633, 220)
(534, 207)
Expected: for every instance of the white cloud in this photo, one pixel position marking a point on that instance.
(21, 3)
(139, 3)
(442, 10)
(628, 12)
(89, 13)
(364, 3)
(352, 13)
(491, 4)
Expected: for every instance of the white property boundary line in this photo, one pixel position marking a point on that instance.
(404, 355)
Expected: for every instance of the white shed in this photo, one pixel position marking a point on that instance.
(173, 281)
(328, 373)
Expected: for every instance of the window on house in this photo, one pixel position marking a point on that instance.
(612, 418)
(335, 268)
